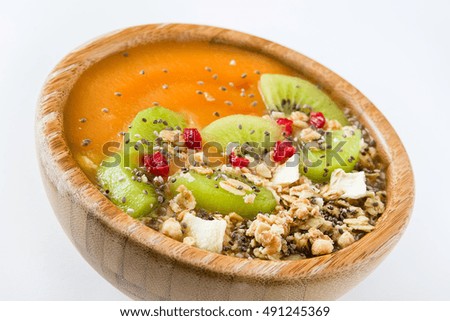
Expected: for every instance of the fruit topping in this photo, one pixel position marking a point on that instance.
(339, 150)
(240, 129)
(317, 119)
(215, 193)
(283, 151)
(128, 189)
(156, 164)
(286, 124)
(287, 94)
(192, 138)
(144, 129)
(238, 161)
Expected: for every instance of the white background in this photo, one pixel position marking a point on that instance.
(397, 54)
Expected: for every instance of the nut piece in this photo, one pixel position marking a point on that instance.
(300, 120)
(277, 114)
(202, 170)
(172, 228)
(263, 170)
(361, 223)
(199, 157)
(321, 247)
(184, 200)
(235, 187)
(346, 239)
(249, 198)
(332, 124)
(374, 205)
(308, 135)
(298, 115)
(170, 135)
(269, 231)
(255, 179)
(189, 241)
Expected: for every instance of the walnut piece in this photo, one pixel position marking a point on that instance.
(172, 228)
(269, 231)
(308, 135)
(332, 124)
(263, 171)
(346, 239)
(321, 247)
(374, 205)
(361, 223)
(184, 200)
(170, 135)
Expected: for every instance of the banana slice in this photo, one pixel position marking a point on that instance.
(208, 235)
(348, 185)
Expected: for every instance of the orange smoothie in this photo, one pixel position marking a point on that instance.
(204, 81)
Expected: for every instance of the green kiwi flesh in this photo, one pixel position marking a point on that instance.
(137, 199)
(211, 197)
(317, 164)
(144, 129)
(242, 129)
(287, 94)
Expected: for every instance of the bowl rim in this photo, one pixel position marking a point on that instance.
(63, 171)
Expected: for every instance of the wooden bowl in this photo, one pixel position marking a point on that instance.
(145, 264)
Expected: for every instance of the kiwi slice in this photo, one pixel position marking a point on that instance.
(287, 94)
(212, 194)
(341, 151)
(257, 131)
(138, 199)
(143, 132)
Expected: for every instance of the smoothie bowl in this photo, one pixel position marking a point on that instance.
(193, 162)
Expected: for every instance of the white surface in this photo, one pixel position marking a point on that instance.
(396, 54)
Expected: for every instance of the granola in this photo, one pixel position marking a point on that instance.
(311, 214)
(310, 219)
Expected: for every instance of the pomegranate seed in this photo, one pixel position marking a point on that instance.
(156, 164)
(286, 124)
(317, 119)
(192, 138)
(238, 161)
(283, 151)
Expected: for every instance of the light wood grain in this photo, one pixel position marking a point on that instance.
(145, 264)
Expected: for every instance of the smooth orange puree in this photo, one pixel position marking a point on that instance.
(201, 80)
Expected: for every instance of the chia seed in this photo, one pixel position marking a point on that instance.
(86, 142)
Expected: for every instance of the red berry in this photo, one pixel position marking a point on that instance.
(317, 119)
(283, 151)
(192, 138)
(238, 161)
(156, 164)
(286, 124)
